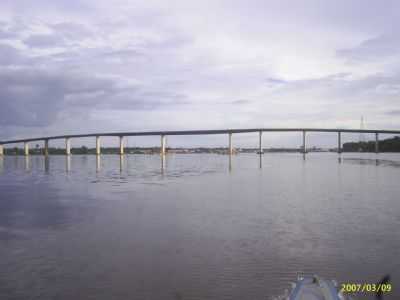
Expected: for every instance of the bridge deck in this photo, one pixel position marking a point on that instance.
(200, 132)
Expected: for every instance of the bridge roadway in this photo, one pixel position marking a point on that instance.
(163, 134)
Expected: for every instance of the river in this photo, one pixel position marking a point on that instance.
(195, 226)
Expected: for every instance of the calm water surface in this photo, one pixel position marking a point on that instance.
(195, 226)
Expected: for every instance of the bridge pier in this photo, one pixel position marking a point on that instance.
(304, 142)
(376, 143)
(1, 150)
(46, 147)
(26, 148)
(98, 149)
(162, 148)
(339, 146)
(121, 145)
(230, 150)
(67, 146)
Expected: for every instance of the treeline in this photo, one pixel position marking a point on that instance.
(111, 150)
(81, 150)
(386, 145)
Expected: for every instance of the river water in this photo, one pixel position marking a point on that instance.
(195, 226)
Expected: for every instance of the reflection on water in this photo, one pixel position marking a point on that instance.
(98, 163)
(190, 227)
(26, 162)
(163, 163)
(376, 162)
(47, 163)
(121, 162)
(67, 163)
(164, 158)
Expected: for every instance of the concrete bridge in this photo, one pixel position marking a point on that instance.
(163, 134)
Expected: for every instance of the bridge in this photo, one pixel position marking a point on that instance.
(163, 135)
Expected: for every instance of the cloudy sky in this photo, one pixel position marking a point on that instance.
(86, 66)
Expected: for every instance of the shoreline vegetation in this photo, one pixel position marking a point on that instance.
(386, 145)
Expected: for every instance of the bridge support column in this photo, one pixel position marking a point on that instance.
(304, 142)
(376, 143)
(339, 146)
(260, 150)
(1, 150)
(121, 145)
(162, 149)
(98, 149)
(230, 150)
(67, 146)
(26, 148)
(46, 147)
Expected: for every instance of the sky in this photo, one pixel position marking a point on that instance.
(95, 66)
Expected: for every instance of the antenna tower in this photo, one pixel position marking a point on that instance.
(362, 127)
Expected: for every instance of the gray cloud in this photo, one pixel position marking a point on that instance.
(120, 56)
(34, 97)
(377, 48)
(343, 86)
(41, 90)
(44, 41)
(241, 102)
(71, 30)
(5, 34)
(394, 112)
(276, 81)
(43, 6)
(9, 55)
